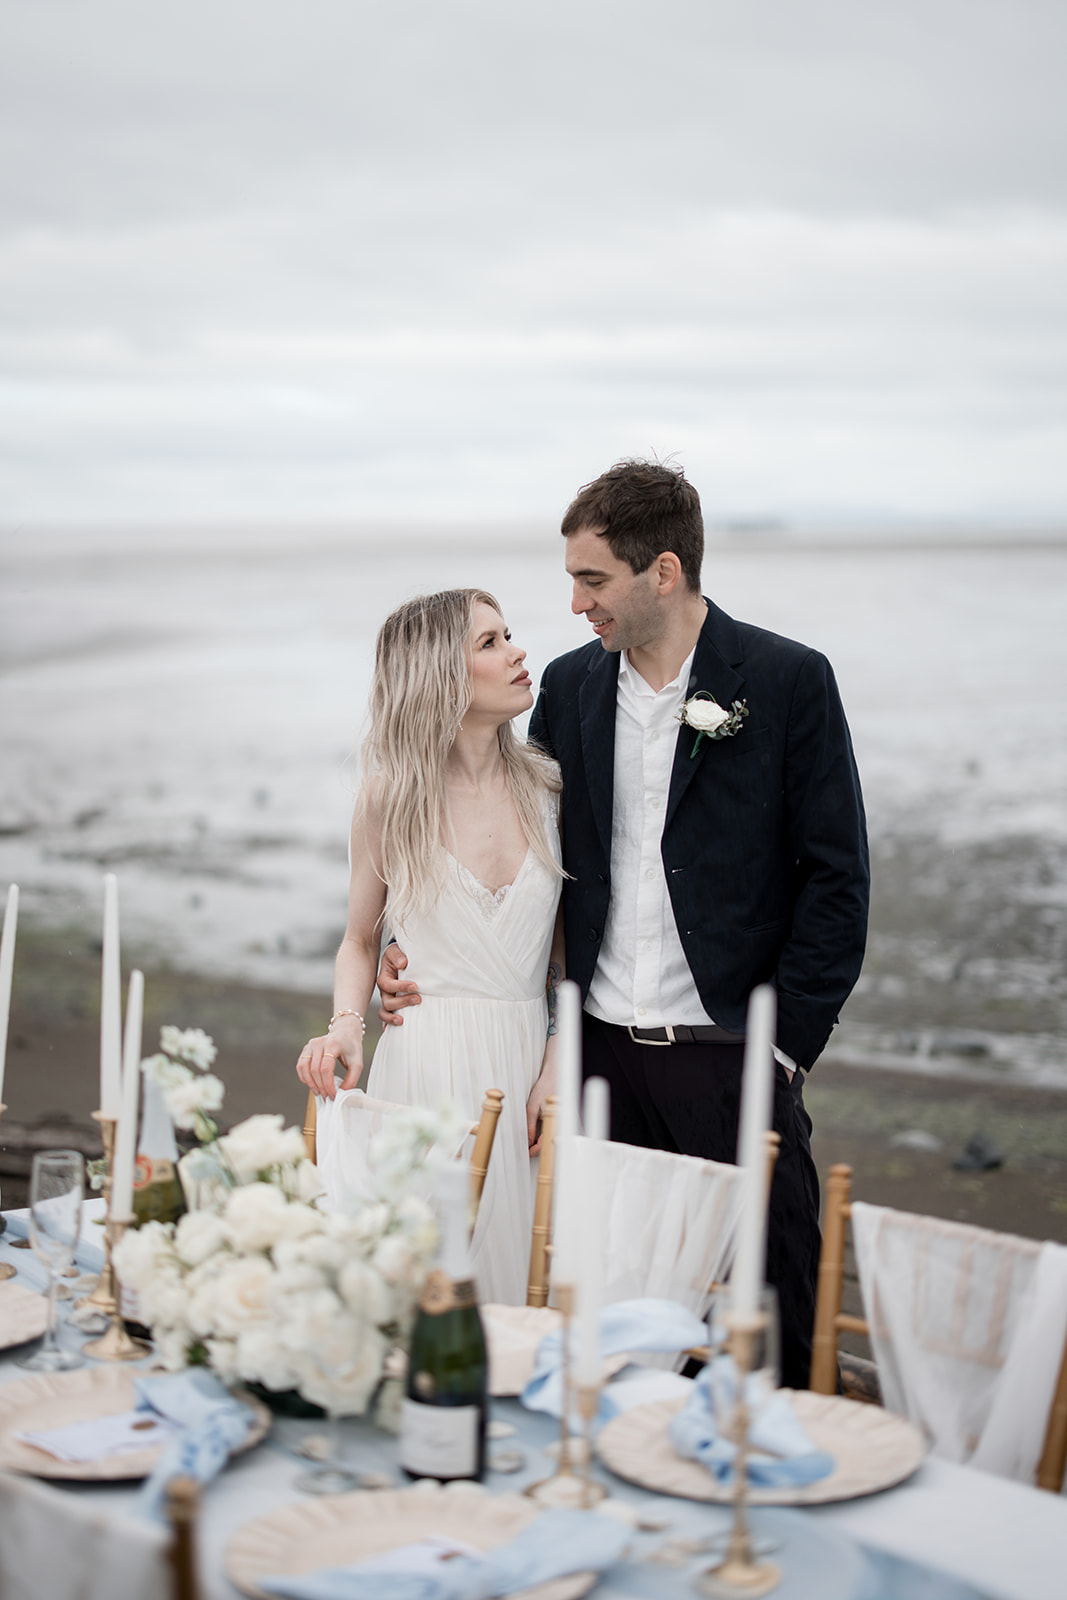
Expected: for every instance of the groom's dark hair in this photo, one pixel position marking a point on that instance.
(643, 508)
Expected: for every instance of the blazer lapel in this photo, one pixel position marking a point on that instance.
(717, 647)
(596, 714)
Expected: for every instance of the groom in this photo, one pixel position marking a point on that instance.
(701, 863)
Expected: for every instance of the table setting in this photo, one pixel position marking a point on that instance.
(603, 1474)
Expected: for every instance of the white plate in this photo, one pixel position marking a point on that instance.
(512, 1334)
(52, 1399)
(340, 1529)
(23, 1314)
(872, 1448)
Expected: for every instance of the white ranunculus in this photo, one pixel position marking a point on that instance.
(222, 1358)
(166, 1073)
(163, 1300)
(188, 1044)
(369, 1223)
(241, 1295)
(172, 1347)
(260, 1143)
(199, 1234)
(705, 715)
(200, 1290)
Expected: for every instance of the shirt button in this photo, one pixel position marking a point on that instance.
(653, 737)
(641, 1011)
(650, 872)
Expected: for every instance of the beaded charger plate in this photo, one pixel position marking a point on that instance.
(872, 1449)
(341, 1529)
(23, 1315)
(53, 1399)
(512, 1335)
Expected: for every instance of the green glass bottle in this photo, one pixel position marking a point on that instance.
(443, 1416)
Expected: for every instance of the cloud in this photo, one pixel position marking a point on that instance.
(262, 258)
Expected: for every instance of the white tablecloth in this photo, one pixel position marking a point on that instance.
(1006, 1541)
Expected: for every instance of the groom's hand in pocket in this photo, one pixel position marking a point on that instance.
(396, 991)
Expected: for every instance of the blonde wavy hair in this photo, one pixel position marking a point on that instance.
(419, 696)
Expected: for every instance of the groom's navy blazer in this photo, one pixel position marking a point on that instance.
(764, 843)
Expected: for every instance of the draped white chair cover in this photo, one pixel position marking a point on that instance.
(671, 1224)
(967, 1328)
(54, 1546)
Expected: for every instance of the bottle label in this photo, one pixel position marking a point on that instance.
(439, 1441)
(440, 1293)
(152, 1169)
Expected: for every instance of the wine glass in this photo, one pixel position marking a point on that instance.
(57, 1186)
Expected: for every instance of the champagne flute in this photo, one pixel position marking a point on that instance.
(57, 1187)
(331, 1351)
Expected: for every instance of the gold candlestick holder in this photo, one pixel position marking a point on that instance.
(6, 1269)
(739, 1573)
(573, 1490)
(102, 1300)
(116, 1344)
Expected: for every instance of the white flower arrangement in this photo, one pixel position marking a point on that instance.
(265, 1287)
(190, 1091)
(703, 713)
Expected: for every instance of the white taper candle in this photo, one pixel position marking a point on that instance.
(568, 1089)
(126, 1133)
(111, 1004)
(7, 967)
(757, 1095)
(593, 1202)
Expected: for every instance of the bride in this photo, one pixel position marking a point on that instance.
(455, 850)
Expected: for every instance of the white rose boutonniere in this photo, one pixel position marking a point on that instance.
(704, 713)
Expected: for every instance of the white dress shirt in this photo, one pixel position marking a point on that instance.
(642, 978)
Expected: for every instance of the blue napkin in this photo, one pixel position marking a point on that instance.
(782, 1455)
(629, 1325)
(88, 1254)
(212, 1423)
(553, 1545)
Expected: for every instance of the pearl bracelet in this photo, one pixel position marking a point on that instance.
(346, 1013)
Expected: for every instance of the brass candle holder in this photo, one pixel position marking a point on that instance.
(6, 1269)
(103, 1298)
(115, 1344)
(567, 1488)
(739, 1573)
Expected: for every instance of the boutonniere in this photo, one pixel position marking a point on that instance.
(704, 713)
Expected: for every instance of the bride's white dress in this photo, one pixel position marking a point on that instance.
(480, 960)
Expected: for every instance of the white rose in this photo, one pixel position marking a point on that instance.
(142, 1252)
(189, 1044)
(705, 715)
(163, 1301)
(394, 1259)
(185, 1100)
(254, 1216)
(222, 1354)
(172, 1348)
(365, 1291)
(309, 1184)
(261, 1358)
(241, 1294)
(261, 1142)
(352, 1366)
(369, 1223)
(199, 1234)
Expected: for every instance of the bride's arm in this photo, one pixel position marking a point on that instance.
(355, 968)
(546, 1080)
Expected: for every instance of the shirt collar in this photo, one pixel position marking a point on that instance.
(639, 685)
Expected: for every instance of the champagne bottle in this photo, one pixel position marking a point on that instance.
(157, 1189)
(443, 1415)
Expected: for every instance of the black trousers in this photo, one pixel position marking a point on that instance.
(687, 1098)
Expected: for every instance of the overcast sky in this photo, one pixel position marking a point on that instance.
(321, 259)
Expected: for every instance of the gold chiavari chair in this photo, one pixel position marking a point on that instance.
(830, 1321)
(484, 1131)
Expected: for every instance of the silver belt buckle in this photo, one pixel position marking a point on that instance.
(654, 1044)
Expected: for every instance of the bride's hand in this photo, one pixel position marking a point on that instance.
(395, 992)
(317, 1060)
(541, 1091)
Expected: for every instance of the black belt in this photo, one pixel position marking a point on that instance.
(683, 1033)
